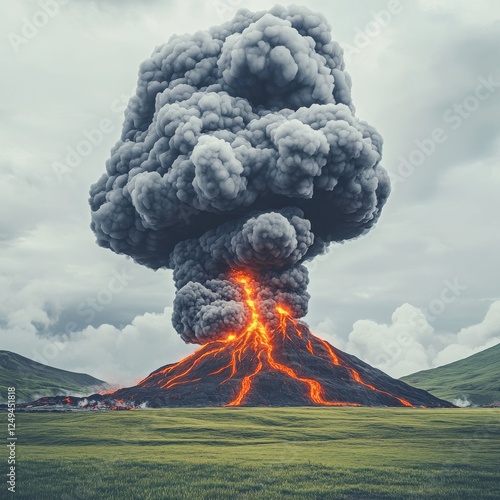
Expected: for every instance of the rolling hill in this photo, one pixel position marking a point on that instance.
(33, 380)
(476, 378)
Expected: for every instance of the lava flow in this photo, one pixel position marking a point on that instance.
(268, 363)
(233, 172)
(258, 349)
(263, 345)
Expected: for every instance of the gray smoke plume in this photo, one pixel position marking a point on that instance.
(240, 150)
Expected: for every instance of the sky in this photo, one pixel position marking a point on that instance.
(419, 291)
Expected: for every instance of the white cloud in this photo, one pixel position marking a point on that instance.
(117, 356)
(396, 348)
(474, 338)
(409, 343)
(66, 79)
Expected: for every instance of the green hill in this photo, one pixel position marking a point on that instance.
(476, 378)
(33, 380)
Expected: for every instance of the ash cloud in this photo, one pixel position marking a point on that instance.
(240, 150)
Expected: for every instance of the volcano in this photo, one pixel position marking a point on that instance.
(300, 370)
(260, 366)
(241, 159)
(287, 366)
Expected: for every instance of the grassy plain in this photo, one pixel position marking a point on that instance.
(259, 453)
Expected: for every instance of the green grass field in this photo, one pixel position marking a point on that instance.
(265, 453)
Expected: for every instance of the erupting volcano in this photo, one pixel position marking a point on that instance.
(262, 366)
(241, 159)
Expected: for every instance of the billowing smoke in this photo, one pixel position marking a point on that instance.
(240, 150)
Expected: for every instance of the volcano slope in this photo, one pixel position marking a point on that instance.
(286, 367)
(299, 369)
(261, 366)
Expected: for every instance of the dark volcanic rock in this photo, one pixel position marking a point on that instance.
(275, 388)
(206, 379)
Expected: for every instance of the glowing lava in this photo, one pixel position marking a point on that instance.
(257, 349)
(258, 338)
(352, 372)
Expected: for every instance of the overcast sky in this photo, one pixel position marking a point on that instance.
(419, 291)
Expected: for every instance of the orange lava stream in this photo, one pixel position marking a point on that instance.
(352, 372)
(258, 346)
(263, 343)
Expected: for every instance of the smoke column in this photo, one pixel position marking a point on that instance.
(240, 151)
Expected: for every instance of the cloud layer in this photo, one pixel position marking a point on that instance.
(438, 224)
(409, 342)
